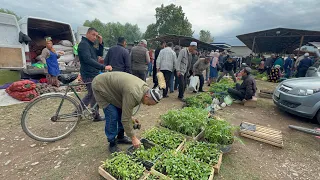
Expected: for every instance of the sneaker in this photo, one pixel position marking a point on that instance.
(114, 148)
(98, 119)
(124, 140)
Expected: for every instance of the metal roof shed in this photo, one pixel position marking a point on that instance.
(185, 41)
(278, 40)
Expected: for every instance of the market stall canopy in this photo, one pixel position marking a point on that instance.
(184, 41)
(278, 40)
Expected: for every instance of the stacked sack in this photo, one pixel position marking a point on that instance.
(66, 47)
(23, 90)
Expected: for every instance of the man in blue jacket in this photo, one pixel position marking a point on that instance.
(90, 68)
(304, 65)
(288, 64)
(118, 57)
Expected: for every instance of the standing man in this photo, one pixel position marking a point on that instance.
(269, 63)
(156, 54)
(151, 62)
(118, 93)
(90, 68)
(304, 65)
(198, 68)
(288, 65)
(140, 59)
(166, 64)
(183, 66)
(118, 57)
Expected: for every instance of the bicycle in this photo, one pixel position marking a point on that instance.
(65, 116)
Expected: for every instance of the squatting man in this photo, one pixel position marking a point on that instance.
(118, 93)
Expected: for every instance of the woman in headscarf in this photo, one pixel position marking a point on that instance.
(275, 74)
(213, 67)
(49, 56)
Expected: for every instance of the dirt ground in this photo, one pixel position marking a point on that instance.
(79, 155)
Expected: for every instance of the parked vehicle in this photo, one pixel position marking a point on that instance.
(299, 96)
(17, 53)
(314, 70)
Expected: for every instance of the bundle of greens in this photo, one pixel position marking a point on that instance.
(164, 137)
(189, 121)
(180, 166)
(121, 166)
(203, 152)
(199, 101)
(219, 132)
(148, 154)
(262, 76)
(222, 86)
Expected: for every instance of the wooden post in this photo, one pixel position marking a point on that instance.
(254, 42)
(301, 41)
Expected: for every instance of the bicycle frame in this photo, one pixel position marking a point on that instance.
(70, 86)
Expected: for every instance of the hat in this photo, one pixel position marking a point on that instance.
(277, 66)
(217, 50)
(144, 41)
(306, 54)
(193, 43)
(247, 70)
(155, 94)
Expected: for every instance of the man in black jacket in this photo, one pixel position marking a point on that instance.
(247, 89)
(229, 67)
(90, 68)
(118, 57)
(156, 54)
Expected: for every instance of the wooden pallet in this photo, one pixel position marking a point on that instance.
(108, 176)
(262, 134)
(266, 94)
(157, 173)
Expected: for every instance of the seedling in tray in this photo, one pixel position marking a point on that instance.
(164, 137)
(180, 166)
(204, 152)
(147, 153)
(123, 167)
(189, 121)
(219, 132)
(199, 101)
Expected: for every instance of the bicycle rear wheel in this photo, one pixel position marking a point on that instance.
(41, 122)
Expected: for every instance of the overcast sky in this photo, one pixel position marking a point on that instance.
(223, 18)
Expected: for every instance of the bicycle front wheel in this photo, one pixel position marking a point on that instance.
(51, 117)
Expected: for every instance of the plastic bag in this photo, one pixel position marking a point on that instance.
(228, 100)
(194, 83)
(161, 80)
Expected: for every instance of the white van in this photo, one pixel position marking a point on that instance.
(81, 32)
(17, 55)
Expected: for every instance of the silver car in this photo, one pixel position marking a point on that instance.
(299, 96)
(314, 70)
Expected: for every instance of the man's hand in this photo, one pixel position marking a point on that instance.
(135, 142)
(136, 121)
(178, 73)
(100, 39)
(108, 68)
(61, 53)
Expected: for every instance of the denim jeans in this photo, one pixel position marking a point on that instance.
(113, 127)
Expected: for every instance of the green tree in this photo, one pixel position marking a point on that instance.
(205, 36)
(169, 20)
(7, 11)
(111, 31)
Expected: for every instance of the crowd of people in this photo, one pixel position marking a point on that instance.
(277, 66)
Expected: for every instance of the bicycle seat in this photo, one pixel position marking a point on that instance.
(67, 78)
